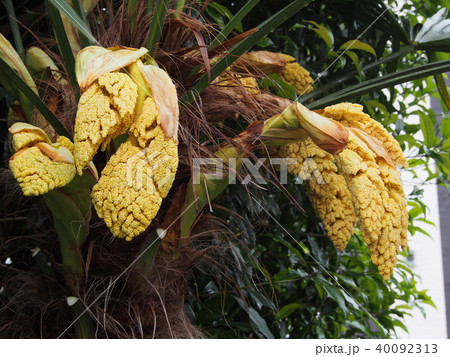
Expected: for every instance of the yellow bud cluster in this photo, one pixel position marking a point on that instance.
(137, 177)
(37, 173)
(249, 83)
(397, 203)
(105, 111)
(65, 142)
(352, 115)
(147, 125)
(38, 165)
(367, 186)
(297, 76)
(126, 210)
(327, 190)
(380, 216)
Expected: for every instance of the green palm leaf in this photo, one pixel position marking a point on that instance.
(74, 18)
(18, 83)
(389, 80)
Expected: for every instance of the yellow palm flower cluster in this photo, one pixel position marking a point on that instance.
(359, 183)
(105, 111)
(249, 83)
(266, 62)
(137, 177)
(327, 190)
(297, 76)
(143, 101)
(382, 219)
(38, 165)
(352, 115)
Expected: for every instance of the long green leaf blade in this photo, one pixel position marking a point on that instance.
(443, 89)
(79, 9)
(34, 98)
(231, 25)
(15, 28)
(64, 45)
(389, 80)
(132, 14)
(440, 81)
(351, 75)
(263, 30)
(157, 24)
(73, 17)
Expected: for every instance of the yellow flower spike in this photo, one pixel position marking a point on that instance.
(140, 174)
(24, 134)
(297, 76)
(133, 184)
(94, 61)
(147, 125)
(328, 192)
(327, 134)
(37, 173)
(377, 213)
(38, 165)
(144, 101)
(397, 204)
(352, 115)
(105, 111)
(165, 95)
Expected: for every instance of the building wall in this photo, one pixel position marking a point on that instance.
(444, 212)
(428, 264)
(431, 257)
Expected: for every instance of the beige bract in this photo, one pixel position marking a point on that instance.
(24, 134)
(379, 216)
(297, 76)
(105, 111)
(327, 190)
(352, 115)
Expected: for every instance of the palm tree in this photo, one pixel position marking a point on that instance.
(158, 87)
